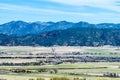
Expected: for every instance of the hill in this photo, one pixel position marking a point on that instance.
(21, 28)
(67, 37)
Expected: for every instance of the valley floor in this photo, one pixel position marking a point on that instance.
(90, 71)
(30, 63)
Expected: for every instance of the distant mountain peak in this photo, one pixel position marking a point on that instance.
(23, 28)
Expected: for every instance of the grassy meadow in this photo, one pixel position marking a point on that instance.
(87, 70)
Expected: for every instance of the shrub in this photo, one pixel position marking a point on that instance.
(62, 78)
(40, 79)
(54, 78)
(31, 79)
(79, 78)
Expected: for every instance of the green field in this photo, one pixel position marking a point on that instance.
(89, 68)
(103, 50)
(86, 68)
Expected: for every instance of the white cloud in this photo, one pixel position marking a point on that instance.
(106, 4)
(29, 9)
(22, 8)
(85, 2)
(66, 15)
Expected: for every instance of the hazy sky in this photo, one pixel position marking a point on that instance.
(93, 11)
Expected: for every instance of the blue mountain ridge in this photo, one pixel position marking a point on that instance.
(21, 28)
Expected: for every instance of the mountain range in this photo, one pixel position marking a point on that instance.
(21, 28)
(63, 33)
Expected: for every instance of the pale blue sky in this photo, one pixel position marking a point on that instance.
(93, 11)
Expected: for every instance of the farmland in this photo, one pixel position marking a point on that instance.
(85, 70)
(24, 63)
